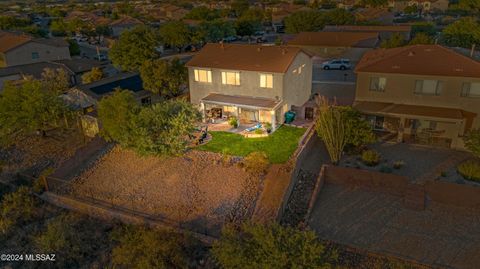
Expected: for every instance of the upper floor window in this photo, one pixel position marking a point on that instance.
(202, 75)
(266, 80)
(378, 84)
(471, 89)
(430, 87)
(35, 55)
(231, 78)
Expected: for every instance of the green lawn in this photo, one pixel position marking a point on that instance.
(278, 146)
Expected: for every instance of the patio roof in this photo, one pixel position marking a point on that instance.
(241, 101)
(413, 110)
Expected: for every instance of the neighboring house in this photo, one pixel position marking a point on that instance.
(107, 86)
(382, 15)
(427, 94)
(19, 49)
(90, 18)
(385, 31)
(350, 45)
(397, 6)
(252, 82)
(280, 12)
(74, 68)
(122, 24)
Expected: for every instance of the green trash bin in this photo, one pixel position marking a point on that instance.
(289, 116)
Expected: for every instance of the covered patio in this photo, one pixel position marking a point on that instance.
(217, 109)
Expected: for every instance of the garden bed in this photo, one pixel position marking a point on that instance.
(278, 146)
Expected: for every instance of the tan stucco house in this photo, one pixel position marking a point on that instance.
(350, 45)
(19, 49)
(426, 94)
(255, 83)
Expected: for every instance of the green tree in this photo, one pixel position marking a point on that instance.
(339, 16)
(427, 28)
(462, 33)
(56, 81)
(116, 113)
(203, 13)
(73, 47)
(396, 40)
(421, 38)
(375, 3)
(472, 141)
(216, 30)
(176, 34)
(304, 21)
(93, 75)
(358, 132)
(270, 246)
(246, 27)
(470, 6)
(59, 27)
(28, 108)
(134, 47)
(164, 77)
(16, 208)
(413, 9)
(238, 7)
(139, 247)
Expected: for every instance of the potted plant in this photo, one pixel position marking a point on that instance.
(268, 127)
(233, 121)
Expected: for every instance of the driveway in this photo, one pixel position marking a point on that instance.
(321, 75)
(442, 236)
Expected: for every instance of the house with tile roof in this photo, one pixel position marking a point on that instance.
(20, 49)
(255, 83)
(426, 94)
(122, 24)
(350, 45)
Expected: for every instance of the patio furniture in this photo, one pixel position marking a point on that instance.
(253, 128)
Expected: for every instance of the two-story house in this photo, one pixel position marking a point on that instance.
(255, 83)
(19, 49)
(427, 94)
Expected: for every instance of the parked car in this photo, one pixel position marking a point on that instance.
(100, 57)
(341, 64)
(229, 39)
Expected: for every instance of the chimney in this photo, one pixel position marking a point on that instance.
(472, 51)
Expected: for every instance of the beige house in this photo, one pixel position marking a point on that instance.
(426, 94)
(350, 45)
(252, 82)
(17, 49)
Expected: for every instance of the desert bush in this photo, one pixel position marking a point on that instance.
(16, 208)
(233, 121)
(258, 131)
(271, 246)
(370, 157)
(268, 127)
(256, 162)
(470, 170)
(398, 164)
(139, 247)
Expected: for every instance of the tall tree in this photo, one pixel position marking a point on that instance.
(421, 38)
(396, 40)
(93, 75)
(304, 21)
(270, 246)
(462, 33)
(339, 16)
(55, 80)
(164, 77)
(28, 108)
(176, 34)
(214, 31)
(134, 47)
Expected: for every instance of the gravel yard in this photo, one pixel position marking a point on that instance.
(200, 190)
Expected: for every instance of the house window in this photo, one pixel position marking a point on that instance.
(35, 55)
(378, 84)
(231, 78)
(266, 80)
(203, 75)
(471, 89)
(428, 87)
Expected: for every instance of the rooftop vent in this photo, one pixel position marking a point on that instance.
(458, 69)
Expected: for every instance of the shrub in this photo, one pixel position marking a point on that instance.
(470, 170)
(398, 164)
(16, 208)
(258, 131)
(233, 121)
(370, 157)
(256, 162)
(268, 127)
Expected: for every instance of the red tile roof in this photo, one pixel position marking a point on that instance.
(275, 59)
(431, 60)
(335, 39)
(10, 41)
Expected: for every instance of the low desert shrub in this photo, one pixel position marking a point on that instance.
(470, 170)
(16, 208)
(233, 121)
(370, 157)
(256, 162)
(398, 164)
(258, 131)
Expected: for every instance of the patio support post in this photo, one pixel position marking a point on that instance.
(272, 120)
(236, 112)
(202, 108)
(401, 127)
